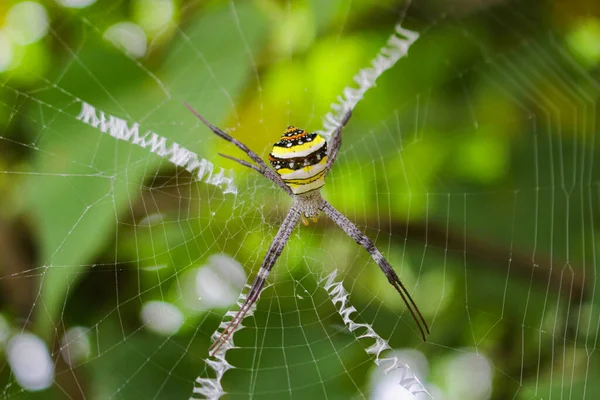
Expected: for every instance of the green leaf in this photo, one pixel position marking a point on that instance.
(85, 181)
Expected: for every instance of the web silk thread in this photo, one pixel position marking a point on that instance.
(211, 388)
(339, 298)
(396, 47)
(202, 169)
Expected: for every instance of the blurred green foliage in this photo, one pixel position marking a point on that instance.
(470, 163)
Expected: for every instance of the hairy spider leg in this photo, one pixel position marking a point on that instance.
(336, 141)
(304, 158)
(257, 286)
(262, 167)
(267, 173)
(360, 238)
(255, 289)
(253, 156)
(242, 162)
(279, 242)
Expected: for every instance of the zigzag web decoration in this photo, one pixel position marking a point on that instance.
(339, 298)
(211, 388)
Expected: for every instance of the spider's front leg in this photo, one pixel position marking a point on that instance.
(267, 173)
(261, 167)
(336, 141)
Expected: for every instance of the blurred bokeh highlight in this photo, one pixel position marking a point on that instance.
(472, 165)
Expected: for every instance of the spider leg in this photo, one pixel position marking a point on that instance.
(262, 167)
(279, 242)
(268, 173)
(360, 238)
(255, 290)
(336, 141)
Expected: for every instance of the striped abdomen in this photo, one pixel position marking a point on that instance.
(300, 158)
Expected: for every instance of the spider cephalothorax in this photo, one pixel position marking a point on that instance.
(301, 161)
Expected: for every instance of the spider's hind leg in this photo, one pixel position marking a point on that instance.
(360, 238)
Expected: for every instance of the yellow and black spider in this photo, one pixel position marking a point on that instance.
(301, 161)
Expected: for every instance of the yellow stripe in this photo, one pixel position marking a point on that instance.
(282, 151)
(283, 171)
(308, 187)
(306, 180)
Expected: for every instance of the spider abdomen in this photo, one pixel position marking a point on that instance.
(301, 159)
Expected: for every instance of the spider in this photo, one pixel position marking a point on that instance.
(300, 163)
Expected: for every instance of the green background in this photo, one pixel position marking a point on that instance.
(471, 164)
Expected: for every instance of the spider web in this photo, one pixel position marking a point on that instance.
(126, 241)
